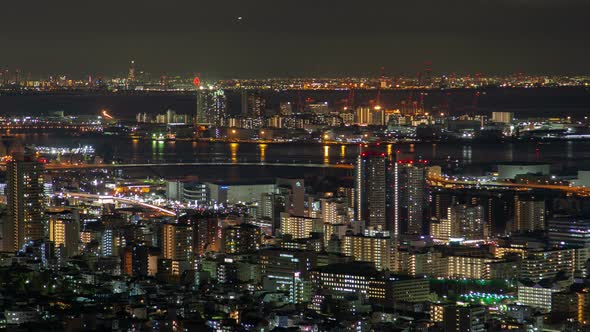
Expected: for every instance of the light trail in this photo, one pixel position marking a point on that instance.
(50, 166)
(442, 181)
(121, 200)
(106, 114)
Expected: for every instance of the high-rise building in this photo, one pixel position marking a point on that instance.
(440, 229)
(468, 222)
(470, 267)
(211, 107)
(502, 117)
(348, 117)
(241, 239)
(144, 260)
(267, 206)
(299, 227)
(547, 264)
(287, 270)
(440, 202)
(569, 231)
(293, 191)
(463, 318)
(390, 196)
(333, 234)
(529, 215)
(25, 203)
(377, 117)
(253, 104)
(583, 312)
(537, 296)
(373, 192)
(411, 196)
(111, 242)
(417, 261)
(209, 234)
(176, 242)
(378, 288)
(286, 108)
(364, 115)
(64, 231)
(170, 116)
(373, 249)
(334, 211)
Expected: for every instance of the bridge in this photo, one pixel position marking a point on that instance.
(50, 166)
(102, 198)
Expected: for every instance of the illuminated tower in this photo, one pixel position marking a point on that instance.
(375, 192)
(131, 75)
(211, 107)
(412, 196)
(25, 203)
(218, 110)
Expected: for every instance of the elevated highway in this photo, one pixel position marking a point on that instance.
(107, 198)
(441, 181)
(105, 166)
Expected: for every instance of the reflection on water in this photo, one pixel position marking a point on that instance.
(509, 148)
(158, 150)
(575, 153)
(467, 154)
(234, 152)
(433, 151)
(262, 148)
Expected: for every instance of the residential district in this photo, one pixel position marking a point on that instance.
(398, 246)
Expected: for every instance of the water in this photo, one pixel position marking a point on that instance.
(563, 155)
(455, 157)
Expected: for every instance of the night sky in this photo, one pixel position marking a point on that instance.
(295, 38)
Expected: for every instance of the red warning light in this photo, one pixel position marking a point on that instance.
(197, 81)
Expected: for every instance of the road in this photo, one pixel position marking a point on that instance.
(102, 166)
(434, 180)
(444, 181)
(121, 200)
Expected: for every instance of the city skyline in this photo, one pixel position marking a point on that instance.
(295, 166)
(239, 39)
